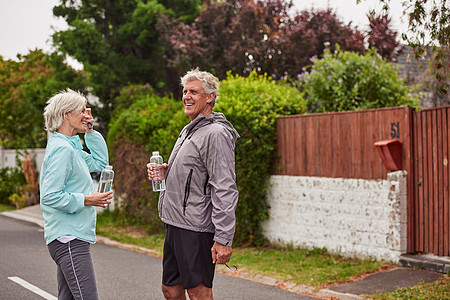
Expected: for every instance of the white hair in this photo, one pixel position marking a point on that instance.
(210, 82)
(60, 104)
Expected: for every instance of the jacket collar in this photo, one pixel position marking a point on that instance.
(72, 140)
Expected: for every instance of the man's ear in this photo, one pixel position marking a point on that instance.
(210, 97)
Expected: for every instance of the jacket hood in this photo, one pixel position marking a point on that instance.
(213, 117)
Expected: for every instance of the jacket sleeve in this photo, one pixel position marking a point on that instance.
(53, 183)
(98, 158)
(220, 164)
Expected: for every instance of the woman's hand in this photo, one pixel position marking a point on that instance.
(153, 173)
(98, 199)
(89, 120)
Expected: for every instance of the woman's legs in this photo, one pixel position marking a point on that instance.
(75, 270)
(63, 289)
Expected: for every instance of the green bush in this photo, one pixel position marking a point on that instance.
(342, 81)
(252, 105)
(152, 123)
(149, 120)
(11, 179)
(18, 200)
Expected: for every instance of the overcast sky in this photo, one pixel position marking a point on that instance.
(27, 24)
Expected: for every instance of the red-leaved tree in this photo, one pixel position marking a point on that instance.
(382, 37)
(310, 32)
(243, 35)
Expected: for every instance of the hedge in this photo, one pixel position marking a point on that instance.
(152, 123)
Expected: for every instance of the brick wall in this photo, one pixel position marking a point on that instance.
(352, 217)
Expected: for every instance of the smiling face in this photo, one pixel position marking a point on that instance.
(77, 120)
(195, 100)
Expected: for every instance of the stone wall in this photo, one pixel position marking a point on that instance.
(352, 217)
(8, 157)
(417, 72)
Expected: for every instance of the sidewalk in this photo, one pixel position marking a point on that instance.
(31, 214)
(386, 281)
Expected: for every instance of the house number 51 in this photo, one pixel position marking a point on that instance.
(395, 130)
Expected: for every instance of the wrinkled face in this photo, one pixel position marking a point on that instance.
(195, 100)
(77, 120)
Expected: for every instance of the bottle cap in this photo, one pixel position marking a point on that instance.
(108, 167)
(155, 153)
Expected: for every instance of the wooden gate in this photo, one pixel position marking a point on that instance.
(429, 209)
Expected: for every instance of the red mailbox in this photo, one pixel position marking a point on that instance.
(390, 152)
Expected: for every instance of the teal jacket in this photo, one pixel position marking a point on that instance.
(64, 181)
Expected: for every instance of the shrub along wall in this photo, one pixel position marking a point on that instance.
(11, 179)
(151, 123)
(252, 105)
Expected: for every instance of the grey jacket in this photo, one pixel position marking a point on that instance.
(201, 192)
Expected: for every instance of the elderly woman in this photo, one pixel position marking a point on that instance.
(68, 198)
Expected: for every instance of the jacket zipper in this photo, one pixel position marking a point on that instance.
(187, 190)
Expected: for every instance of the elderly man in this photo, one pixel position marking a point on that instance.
(198, 205)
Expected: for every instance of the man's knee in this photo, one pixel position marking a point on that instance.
(200, 292)
(173, 292)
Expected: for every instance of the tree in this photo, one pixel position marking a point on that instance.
(25, 86)
(232, 35)
(117, 42)
(382, 37)
(344, 80)
(429, 27)
(311, 32)
(186, 10)
(263, 35)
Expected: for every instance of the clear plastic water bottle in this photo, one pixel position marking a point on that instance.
(158, 182)
(106, 180)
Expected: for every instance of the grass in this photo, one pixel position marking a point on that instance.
(316, 268)
(4, 207)
(437, 290)
(108, 225)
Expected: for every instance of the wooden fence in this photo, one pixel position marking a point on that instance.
(341, 145)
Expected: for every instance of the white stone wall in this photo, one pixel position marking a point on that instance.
(8, 157)
(352, 217)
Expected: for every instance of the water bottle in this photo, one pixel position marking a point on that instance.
(158, 182)
(106, 180)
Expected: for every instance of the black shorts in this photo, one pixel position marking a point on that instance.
(187, 258)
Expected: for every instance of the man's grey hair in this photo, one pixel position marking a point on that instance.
(210, 82)
(60, 104)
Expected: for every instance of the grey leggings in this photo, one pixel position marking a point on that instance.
(75, 274)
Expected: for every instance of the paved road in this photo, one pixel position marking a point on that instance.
(121, 274)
